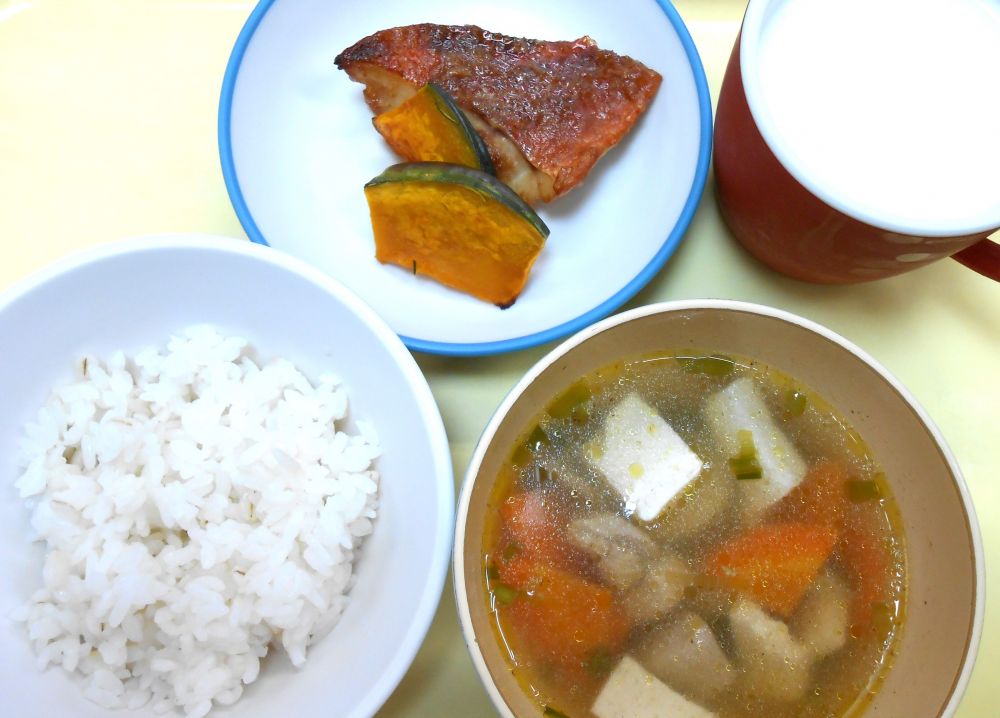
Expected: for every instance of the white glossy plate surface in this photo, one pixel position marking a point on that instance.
(297, 147)
(133, 295)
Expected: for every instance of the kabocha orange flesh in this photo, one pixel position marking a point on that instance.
(549, 110)
(457, 225)
(430, 127)
(774, 564)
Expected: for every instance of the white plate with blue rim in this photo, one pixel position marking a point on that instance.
(297, 147)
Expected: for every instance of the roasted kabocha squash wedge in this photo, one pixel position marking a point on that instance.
(455, 224)
(430, 127)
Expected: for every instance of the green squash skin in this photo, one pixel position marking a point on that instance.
(487, 185)
(448, 107)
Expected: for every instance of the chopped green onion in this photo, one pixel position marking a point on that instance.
(744, 469)
(522, 456)
(537, 438)
(504, 594)
(795, 403)
(524, 453)
(883, 618)
(859, 490)
(715, 365)
(492, 573)
(745, 464)
(553, 713)
(572, 403)
(542, 474)
(510, 551)
(600, 663)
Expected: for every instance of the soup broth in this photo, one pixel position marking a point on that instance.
(696, 532)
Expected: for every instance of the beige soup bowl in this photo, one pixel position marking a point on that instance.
(944, 549)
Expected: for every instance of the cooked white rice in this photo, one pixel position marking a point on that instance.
(195, 509)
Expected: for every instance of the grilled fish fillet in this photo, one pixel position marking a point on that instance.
(546, 110)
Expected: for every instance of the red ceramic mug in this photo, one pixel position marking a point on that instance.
(831, 168)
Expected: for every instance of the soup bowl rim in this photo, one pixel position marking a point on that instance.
(727, 305)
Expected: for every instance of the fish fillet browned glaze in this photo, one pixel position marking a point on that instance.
(546, 110)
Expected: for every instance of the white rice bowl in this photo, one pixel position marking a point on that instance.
(196, 507)
(132, 296)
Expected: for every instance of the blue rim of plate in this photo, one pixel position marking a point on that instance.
(528, 340)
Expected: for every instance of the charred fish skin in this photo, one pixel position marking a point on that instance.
(562, 104)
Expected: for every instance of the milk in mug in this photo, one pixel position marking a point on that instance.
(887, 109)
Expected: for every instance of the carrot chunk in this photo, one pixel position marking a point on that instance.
(558, 618)
(566, 620)
(530, 540)
(774, 564)
(529, 522)
(867, 563)
(821, 498)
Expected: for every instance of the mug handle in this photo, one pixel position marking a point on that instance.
(982, 257)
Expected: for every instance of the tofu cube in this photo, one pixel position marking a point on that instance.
(737, 408)
(633, 692)
(643, 458)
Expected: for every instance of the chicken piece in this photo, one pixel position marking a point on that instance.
(546, 110)
(633, 692)
(643, 458)
(821, 621)
(776, 665)
(585, 484)
(659, 590)
(621, 550)
(738, 408)
(712, 604)
(686, 655)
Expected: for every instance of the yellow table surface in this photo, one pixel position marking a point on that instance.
(107, 130)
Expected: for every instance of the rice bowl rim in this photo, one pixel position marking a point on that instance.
(734, 306)
(427, 604)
